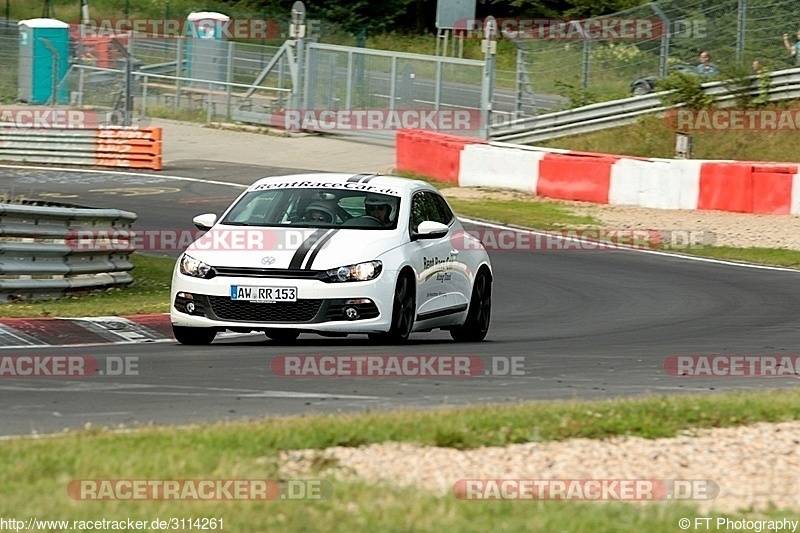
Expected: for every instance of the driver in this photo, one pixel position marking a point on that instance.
(319, 212)
(378, 207)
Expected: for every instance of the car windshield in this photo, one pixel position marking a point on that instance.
(309, 207)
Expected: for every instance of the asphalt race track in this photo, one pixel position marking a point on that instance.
(586, 324)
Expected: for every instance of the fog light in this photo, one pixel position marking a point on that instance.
(190, 307)
(351, 313)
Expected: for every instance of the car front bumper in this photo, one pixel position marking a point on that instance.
(320, 306)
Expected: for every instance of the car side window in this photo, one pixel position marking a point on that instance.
(442, 211)
(419, 211)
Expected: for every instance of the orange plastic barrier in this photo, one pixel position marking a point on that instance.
(726, 187)
(772, 188)
(431, 154)
(573, 177)
(128, 147)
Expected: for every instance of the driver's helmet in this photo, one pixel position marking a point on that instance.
(320, 212)
(375, 202)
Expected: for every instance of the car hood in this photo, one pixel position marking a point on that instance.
(295, 248)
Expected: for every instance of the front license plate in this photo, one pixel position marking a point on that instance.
(263, 294)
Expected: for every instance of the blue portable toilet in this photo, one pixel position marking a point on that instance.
(207, 49)
(43, 52)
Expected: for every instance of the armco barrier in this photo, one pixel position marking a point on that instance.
(107, 147)
(48, 251)
(430, 154)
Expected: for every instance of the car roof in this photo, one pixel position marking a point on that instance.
(361, 182)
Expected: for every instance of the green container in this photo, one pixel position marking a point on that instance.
(43, 52)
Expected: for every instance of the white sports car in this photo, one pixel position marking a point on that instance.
(333, 254)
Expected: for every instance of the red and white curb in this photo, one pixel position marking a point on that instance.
(22, 332)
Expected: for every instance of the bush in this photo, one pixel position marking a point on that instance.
(685, 89)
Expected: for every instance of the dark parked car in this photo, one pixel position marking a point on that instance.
(647, 84)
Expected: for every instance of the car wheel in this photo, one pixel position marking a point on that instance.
(403, 309)
(642, 89)
(476, 326)
(282, 335)
(193, 336)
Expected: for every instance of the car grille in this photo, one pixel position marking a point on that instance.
(299, 311)
(242, 272)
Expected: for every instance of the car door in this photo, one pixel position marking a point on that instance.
(432, 258)
(459, 267)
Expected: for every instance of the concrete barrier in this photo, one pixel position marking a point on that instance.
(735, 186)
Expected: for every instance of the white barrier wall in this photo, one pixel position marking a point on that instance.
(662, 184)
(483, 165)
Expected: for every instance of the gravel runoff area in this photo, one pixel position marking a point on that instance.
(756, 467)
(741, 230)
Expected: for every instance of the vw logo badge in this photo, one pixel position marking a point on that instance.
(268, 260)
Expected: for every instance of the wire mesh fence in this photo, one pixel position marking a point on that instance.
(599, 56)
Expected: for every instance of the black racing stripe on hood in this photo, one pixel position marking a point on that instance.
(322, 242)
(302, 251)
(357, 177)
(368, 178)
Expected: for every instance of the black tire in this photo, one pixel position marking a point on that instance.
(403, 311)
(479, 314)
(194, 336)
(282, 336)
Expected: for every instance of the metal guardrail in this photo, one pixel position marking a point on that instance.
(46, 252)
(785, 84)
(114, 147)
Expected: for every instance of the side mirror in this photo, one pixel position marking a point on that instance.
(430, 230)
(204, 221)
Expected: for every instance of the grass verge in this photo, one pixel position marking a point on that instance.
(149, 293)
(652, 136)
(35, 473)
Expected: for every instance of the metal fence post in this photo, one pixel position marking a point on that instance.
(489, 45)
(664, 53)
(587, 54)
(80, 85)
(229, 79)
(298, 30)
(208, 104)
(519, 82)
(740, 27)
(349, 84)
(128, 94)
(437, 89)
(144, 97)
(179, 68)
(393, 84)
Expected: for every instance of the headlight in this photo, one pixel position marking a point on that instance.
(190, 266)
(360, 272)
